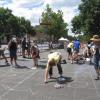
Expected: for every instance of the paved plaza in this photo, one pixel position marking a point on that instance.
(23, 83)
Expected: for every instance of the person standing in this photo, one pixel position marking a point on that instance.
(76, 45)
(70, 50)
(50, 45)
(24, 47)
(12, 45)
(96, 54)
(35, 56)
(3, 55)
(88, 53)
(29, 48)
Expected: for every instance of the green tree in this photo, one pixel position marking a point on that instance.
(53, 23)
(89, 17)
(4, 15)
(76, 23)
(13, 25)
(24, 27)
(39, 29)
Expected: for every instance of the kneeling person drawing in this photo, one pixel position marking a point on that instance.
(54, 59)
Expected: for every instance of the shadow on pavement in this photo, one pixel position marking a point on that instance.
(64, 79)
(68, 79)
(59, 80)
(42, 66)
(23, 59)
(21, 67)
(43, 61)
(5, 65)
(63, 61)
(54, 80)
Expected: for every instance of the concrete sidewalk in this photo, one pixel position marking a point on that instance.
(24, 83)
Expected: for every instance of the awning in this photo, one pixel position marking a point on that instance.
(63, 39)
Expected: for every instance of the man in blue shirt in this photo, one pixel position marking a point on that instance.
(76, 45)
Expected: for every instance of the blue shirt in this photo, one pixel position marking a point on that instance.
(77, 44)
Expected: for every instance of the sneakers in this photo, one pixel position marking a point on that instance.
(11, 66)
(98, 78)
(61, 75)
(24, 56)
(6, 63)
(71, 62)
(45, 82)
(50, 77)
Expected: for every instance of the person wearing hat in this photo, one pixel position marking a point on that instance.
(96, 54)
(53, 59)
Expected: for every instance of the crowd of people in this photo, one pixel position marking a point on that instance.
(27, 47)
(91, 51)
(75, 50)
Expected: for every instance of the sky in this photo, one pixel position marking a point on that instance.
(32, 9)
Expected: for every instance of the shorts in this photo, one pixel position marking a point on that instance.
(69, 50)
(1, 53)
(96, 63)
(13, 53)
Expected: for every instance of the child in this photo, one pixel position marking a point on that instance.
(35, 56)
(3, 55)
(88, 53)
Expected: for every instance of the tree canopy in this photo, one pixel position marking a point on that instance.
(53, 23)
(88, 20)
(13, 25)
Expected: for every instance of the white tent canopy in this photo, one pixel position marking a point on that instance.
(63, 39)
